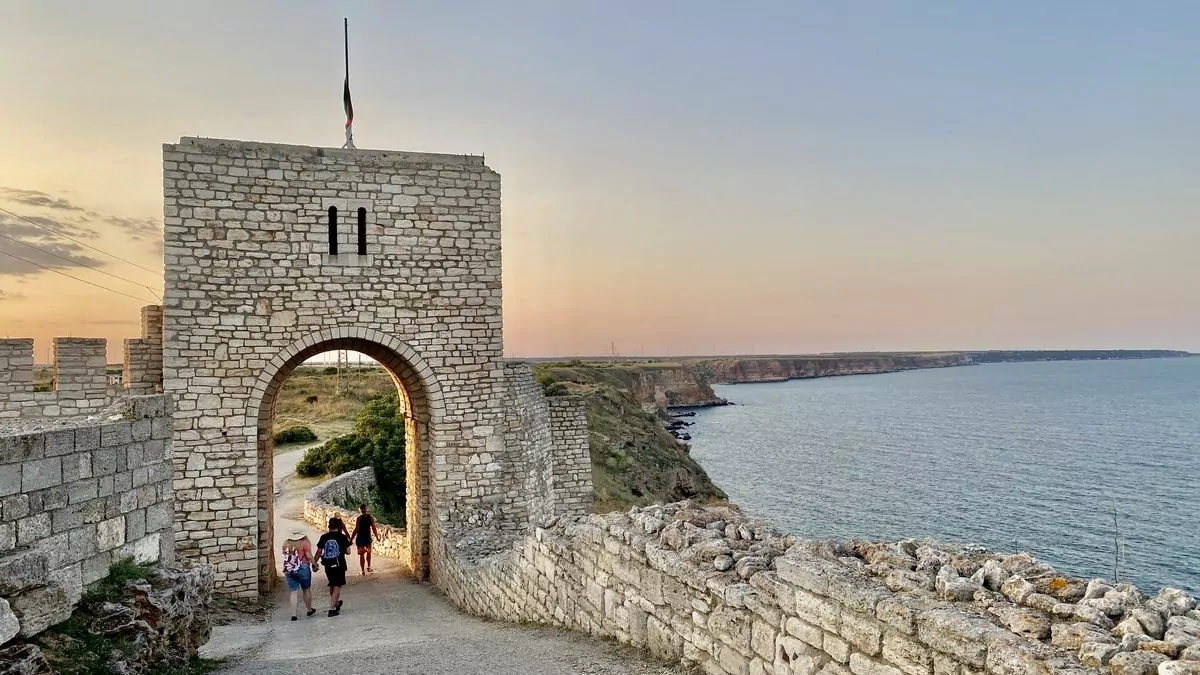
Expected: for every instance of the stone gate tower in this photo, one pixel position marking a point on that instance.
(276, 253)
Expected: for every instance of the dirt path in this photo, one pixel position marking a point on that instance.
(390, 624)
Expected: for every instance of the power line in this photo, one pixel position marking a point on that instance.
(89, 283)
(60, 234)
(76, 262)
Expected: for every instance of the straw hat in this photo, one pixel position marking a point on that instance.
(297, 533)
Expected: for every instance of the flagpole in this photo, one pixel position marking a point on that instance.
(349, 114)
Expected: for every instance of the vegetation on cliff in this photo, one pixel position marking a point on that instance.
(109, 631)
(635, 460)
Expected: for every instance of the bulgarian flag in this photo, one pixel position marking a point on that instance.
(349, 107)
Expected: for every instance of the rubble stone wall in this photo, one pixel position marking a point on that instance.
(320, 504)
(77, 495)
(708, 587)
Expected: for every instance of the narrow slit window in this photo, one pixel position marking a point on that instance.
(333, 230)
(362, 231)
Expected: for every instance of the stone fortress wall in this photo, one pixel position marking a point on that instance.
(276, 253)
(76, 495)
(710, 588)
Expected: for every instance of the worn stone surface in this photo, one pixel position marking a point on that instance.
(1137, 663)
(42, 607)
(24, 659)
(9, 624)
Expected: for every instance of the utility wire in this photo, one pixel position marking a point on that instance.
(60, 234)
(76, 262)
(89, 283)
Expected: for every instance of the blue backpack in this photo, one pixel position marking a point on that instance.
(331, 552)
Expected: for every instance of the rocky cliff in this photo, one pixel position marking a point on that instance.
(687, 383)
(736, 370)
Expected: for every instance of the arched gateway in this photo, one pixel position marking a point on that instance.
(276, 253)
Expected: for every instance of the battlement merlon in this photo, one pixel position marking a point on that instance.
(16, 366)
(307, 153)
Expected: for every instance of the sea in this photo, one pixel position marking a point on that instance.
(1091, 466)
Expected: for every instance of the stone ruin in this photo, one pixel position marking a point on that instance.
(731, 595)
(276, 253)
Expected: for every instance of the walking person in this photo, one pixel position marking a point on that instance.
(332, 547)
(297, 569)
(364, 527)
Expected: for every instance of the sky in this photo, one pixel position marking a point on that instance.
(678, 177)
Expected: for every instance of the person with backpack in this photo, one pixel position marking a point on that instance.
(364, 526)
(332, 547)
(297, 569)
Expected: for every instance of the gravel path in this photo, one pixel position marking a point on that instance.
(390, 624)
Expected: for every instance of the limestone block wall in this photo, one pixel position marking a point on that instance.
(549, 436)
(707, 587)
(75, 496)
(571, 474)
(144, 355)
(253, 288)
(320, 505)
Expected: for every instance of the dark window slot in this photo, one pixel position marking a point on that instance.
(362, 231)
(333, 230)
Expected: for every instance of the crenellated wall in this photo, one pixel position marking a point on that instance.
(80, 385)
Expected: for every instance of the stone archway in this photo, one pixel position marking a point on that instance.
(422, 400)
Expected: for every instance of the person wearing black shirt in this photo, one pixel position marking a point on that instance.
(332, 547)
(364, 527)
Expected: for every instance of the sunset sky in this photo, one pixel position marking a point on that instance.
(684, 177)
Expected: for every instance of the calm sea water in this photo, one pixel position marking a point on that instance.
(1033, 457)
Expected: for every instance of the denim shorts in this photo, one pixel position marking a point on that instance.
(300, 579)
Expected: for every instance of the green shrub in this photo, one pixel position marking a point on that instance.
(330, 370)
(557, 389)
(296, 434)
(377, 441)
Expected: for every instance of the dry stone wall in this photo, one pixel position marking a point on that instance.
(75, 496)
(320, 504)
(708, 587)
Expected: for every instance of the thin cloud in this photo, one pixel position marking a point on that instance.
(38, 239)
(11, 295)
(38, 199)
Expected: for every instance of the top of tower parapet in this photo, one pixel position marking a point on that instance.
(220, 145)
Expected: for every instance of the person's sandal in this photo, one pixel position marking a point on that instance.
(311, 612)
(294, 619)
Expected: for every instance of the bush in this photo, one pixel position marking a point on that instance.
(330, 370)
(557, 389)
(377, 441)
(296, 434)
